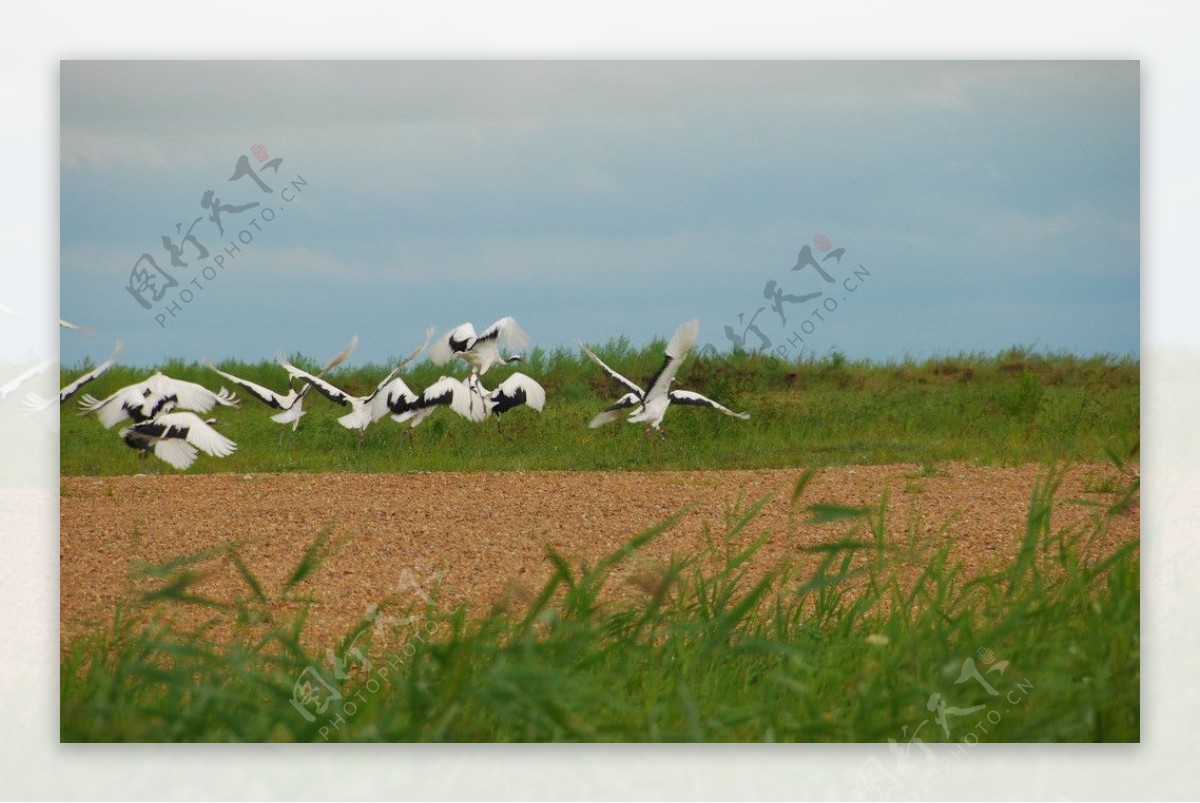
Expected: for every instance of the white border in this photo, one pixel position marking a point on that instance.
(34, 765)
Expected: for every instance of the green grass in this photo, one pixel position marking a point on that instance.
(1004, 409)
(702, 649)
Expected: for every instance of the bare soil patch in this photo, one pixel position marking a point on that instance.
(483, 536)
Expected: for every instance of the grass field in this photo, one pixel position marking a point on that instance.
(1045, 649)
(1015, 407)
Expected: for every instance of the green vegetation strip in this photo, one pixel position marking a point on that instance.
(1011, 408)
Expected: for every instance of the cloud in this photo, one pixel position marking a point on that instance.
(591, 198)
(1036, 231)
(178, 104)
(89, 147)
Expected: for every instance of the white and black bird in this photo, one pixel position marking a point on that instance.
(481, 352)
(175, 438)
(149, 398)
(291, 404)
(650, 405)
(87, 330)
(472, 401)
(365, 410)
(36, 403)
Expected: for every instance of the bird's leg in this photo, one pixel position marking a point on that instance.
(472, 391)
(653, 430)
(409, 434)
(501, 431)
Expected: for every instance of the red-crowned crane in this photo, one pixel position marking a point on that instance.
(649, 406)
(175, 437)
(147, 399)
(480, 351)
(471, 400)
(364, 410)
(291, 404)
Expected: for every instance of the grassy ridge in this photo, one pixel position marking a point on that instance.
(1047, 649)
(1009, 408)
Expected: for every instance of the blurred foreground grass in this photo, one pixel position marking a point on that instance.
(1046, 649)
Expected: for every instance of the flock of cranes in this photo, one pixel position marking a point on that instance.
(166, 413)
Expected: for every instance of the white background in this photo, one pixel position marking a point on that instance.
(1161, 35)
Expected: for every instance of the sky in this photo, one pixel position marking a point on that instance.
(881, 209)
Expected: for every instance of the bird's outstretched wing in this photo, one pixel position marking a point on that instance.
(417, 351)
(277, 401)
(518, 389)
(117, 407)
(394, 396)
(508, 333)
(329, 391)
(71, 389)
(293, 412)
(177, 436)
(340, 357)
(179, 453)
(190, 395)
(629, 384)
(387, 381)
(87, 330)
(455, 394)
(613, 412)
(458, 339)
(192, 428)
(689, 397)
(677, 349)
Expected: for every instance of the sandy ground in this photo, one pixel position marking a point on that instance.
(482, 537)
